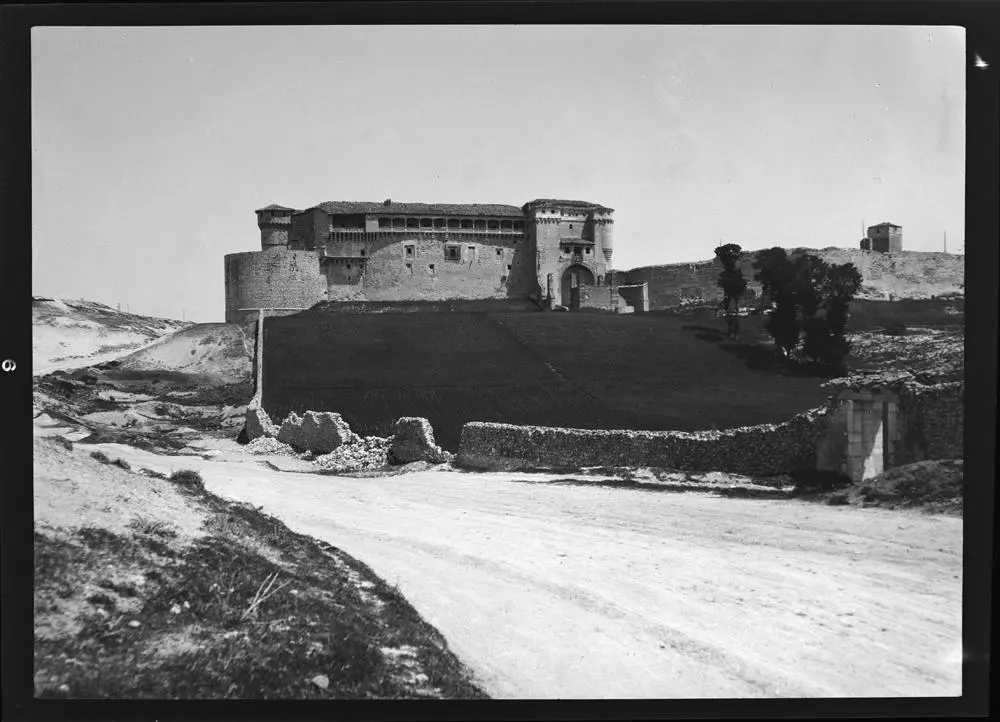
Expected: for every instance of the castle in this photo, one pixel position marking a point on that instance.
(553, 252)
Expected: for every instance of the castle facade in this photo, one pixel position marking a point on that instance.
(554, 252)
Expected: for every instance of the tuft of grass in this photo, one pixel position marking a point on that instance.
(188, 478)
(152, 527)
(64, 442)
(122, 464)
(100, 456)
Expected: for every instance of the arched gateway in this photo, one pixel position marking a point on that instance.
(574, 277)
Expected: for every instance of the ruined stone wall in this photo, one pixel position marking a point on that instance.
(275, 278)
(597, 297)
(763, 450)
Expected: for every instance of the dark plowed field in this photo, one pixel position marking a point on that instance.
(550, 369)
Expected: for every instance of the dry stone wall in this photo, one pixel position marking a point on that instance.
(759, 450)
(936, 418)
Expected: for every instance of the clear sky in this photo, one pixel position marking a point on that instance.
(151, 147)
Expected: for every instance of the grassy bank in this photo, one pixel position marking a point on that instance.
(245, 609)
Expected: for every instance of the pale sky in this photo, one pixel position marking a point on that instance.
(151, 147)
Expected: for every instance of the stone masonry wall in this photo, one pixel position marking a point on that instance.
(933, 421)
(763, 450)
(275, 278)
(400, 266)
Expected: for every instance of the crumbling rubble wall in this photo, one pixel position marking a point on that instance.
(762, 450)
(413, 440)
(319, 432)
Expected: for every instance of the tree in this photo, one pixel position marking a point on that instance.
(776, 274)
(768, 265)
(732, 283)
(840, 284)
(811, 304)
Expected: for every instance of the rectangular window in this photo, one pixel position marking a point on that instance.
(452, 253)
(499, 252)
(409, 267)
(509, 266)
(472, 252)
(432, 269)
(409, 251)
(588, 251)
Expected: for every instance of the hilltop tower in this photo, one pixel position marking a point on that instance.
(883, 238)
(274, 222)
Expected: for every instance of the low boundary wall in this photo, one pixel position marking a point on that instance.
(754, 450)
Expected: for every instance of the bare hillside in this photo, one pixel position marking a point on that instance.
(221, 350)
(67, 334)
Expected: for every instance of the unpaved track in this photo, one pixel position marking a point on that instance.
(550, 590)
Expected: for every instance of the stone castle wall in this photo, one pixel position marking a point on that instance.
(393, 266)
(277, 278)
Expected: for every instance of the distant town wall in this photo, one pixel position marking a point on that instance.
(909, 274)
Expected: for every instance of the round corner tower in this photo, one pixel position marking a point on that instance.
(274, 222)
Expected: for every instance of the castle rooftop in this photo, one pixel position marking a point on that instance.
(427, 209)
(587, 205)
(276, 207)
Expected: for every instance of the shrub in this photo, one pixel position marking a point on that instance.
(100, 456)
(188, 477)
(64, 442)
(122, 464)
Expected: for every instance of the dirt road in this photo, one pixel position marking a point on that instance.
(550, 590)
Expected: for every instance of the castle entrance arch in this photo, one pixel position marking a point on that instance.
(574, 277)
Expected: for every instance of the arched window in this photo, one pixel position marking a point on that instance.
(426, 223)
(493, 225)
(506, 225)
(480, 225)
(439, 222)
(398, 222)
(453, 223)
(413, 223)
(385, 223)
(466, 223)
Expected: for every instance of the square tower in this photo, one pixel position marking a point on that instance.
(884, 238)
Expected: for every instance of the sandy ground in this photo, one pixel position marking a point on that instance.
(550, 590)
